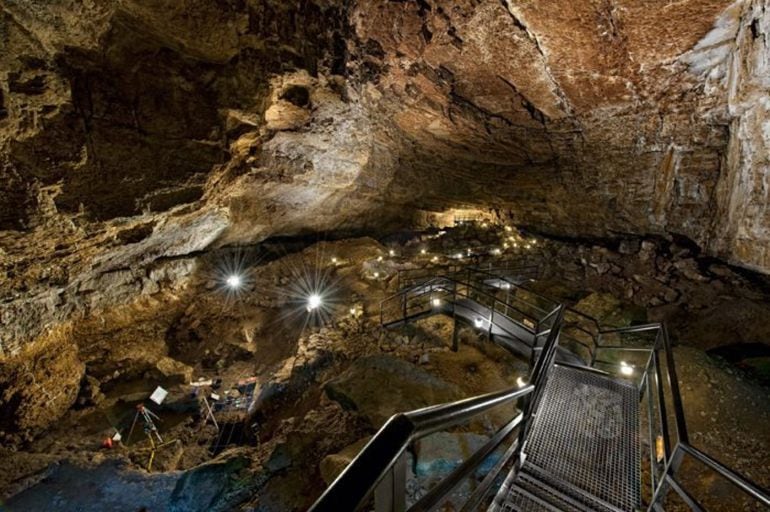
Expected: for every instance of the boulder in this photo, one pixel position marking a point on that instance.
(332, 465)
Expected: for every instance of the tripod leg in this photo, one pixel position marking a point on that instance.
(133, 424)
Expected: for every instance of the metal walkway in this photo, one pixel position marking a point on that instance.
(583, 452)
(575, 442)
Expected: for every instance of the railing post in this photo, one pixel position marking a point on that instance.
(491, 318)
(455, 336)
(390, 493)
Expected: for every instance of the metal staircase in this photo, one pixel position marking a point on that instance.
(599, 425)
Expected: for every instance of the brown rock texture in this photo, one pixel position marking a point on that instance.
(136, 135)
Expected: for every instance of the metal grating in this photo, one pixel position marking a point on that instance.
(583, 446)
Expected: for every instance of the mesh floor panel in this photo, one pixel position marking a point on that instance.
(585, 436)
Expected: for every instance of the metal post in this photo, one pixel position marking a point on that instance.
(455, 337)
(650, 420)
(390, 494)
(491, 318)
(662, 405)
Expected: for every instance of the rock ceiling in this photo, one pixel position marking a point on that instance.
(135, 133)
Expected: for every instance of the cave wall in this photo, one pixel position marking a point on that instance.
(742, 221)
(136, 135)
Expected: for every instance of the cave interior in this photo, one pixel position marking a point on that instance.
(240, 240)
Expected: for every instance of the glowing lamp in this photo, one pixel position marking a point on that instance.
(234, 281)
(314, 302)
(625, 369)
(436, 302)
(521, 382)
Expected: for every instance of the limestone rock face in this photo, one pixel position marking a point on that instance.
(135, 134)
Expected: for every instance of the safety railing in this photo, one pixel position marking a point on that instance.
(579, 332)
(407, 278)
(513, 316)
(640, 354)
(643, 355)
(379, 471)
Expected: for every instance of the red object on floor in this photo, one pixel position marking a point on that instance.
(107, 443)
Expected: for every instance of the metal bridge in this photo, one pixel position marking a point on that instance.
(599, 424)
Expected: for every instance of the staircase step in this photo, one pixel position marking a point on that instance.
(561, 494)
(521, 500)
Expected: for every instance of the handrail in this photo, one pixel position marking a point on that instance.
(516, 285)
(742, 483)
(551, 299)
(358, 481)
(440, 279)
(539, 377)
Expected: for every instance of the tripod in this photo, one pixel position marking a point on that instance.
(149, 429)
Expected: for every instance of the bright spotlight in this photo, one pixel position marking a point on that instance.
(436, 302)
(234, 281)
(625, 369)
(313, 302)
(506, 286)
(521, 382)
(434, 259)
(423, 251)
(459, 255)
(334, 261)
(392, 253)
(379, 258)
(478, 322)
